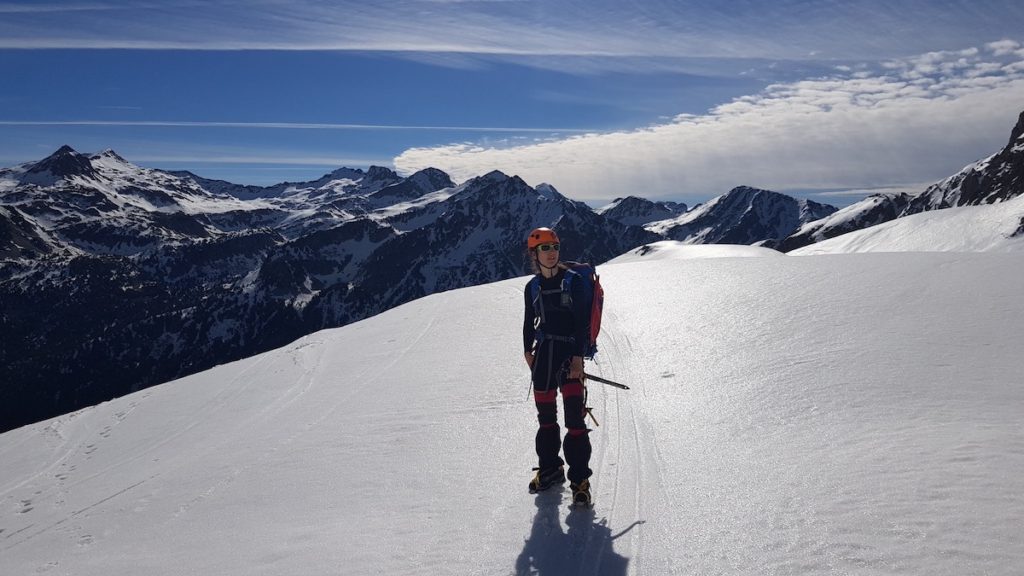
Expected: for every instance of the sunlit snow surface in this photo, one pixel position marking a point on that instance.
(675, 250)
(849, 414)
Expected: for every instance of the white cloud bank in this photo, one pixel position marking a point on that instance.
(909, 121)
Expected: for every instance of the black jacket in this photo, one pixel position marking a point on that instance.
(563, 319)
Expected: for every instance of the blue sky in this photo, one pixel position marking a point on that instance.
(664, 99)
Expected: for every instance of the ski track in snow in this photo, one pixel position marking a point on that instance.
(624, 457)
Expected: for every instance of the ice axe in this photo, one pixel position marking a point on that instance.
(605, 381)
(590, 411)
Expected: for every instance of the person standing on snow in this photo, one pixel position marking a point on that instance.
(556, 326)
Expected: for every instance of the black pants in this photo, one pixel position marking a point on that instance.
(576, 446)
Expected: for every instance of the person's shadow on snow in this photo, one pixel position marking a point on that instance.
(586, 547)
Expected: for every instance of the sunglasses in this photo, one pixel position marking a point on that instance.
(548, 247)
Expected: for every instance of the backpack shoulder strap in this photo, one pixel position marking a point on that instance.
(538, 302)
(569, 278)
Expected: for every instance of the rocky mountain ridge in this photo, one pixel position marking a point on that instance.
(744, 215)
(997, 178)
(638, 211)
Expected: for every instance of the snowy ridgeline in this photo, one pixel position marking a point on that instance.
(848, 414)
(995, 227)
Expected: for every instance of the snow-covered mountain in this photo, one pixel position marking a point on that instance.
(338, 197)
(71, 204)
(473, 236)
(997, 178)
(744, 215)
(874, 209)
(116, 277)
(985, 228)
(640, 211)
(340, 182)
(74, 204)
(848, 414)
(994, 179)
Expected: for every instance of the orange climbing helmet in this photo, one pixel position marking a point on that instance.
(541, 236)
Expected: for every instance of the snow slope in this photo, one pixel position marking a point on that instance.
(676, 250)
(988, 228)
(846, 414)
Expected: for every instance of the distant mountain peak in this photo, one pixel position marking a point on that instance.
(431, 173)
(548, 191)
(638, 211)
(744, 215)
(748, 190)
(63, 163)
(380, 173)
(994, 179)
(339, 174)
(420, 183)
(498, 181)
(432, 179)
(998, 178)
(1017, 134)
(109, 153)
(494, 176)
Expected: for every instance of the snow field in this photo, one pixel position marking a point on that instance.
(848, 414)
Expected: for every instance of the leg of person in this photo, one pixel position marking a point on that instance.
(577, 441)
(550, 469)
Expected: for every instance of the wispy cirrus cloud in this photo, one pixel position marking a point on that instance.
(41, 7)
(902, 122)
(289, 126)
(601, 30)
(297, 162)
(839, 128)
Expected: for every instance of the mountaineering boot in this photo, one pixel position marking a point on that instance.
(581, 493)
(545, 479)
